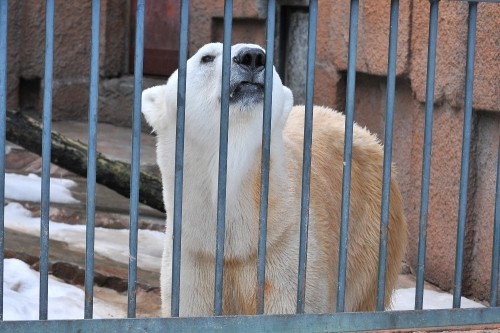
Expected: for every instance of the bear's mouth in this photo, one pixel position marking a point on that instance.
(246, 91)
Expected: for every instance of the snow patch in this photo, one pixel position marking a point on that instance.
(110, 243)
(21, 296)
(404, 299)
(29, 188)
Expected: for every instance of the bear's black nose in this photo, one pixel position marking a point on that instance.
(253, 59)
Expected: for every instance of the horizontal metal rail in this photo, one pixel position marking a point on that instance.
(341, 322)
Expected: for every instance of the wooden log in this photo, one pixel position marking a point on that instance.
(72, 155)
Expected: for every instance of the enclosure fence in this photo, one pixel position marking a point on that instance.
(337, 322)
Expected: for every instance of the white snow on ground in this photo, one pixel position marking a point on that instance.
(28, 188)
(21, 284)
(21, 290)
(65, 301)
(110, 243)
(404, 299)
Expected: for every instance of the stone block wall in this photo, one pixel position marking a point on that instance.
(72, 31)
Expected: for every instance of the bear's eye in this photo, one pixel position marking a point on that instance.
(207, 58)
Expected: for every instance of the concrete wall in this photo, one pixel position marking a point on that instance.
(71, 80)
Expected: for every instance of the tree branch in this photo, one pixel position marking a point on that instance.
(72, 155)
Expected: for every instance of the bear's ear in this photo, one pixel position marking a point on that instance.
(154, 106)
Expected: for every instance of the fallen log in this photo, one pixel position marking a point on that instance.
(72, 155)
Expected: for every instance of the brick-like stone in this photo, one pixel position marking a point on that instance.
(451, 54)
(202, 29)
(296, 56)
(70, 99)
(373, 35)
(114, 36)
(487, 62)
(14, 26)
(116, 100)
(243, 31)
(488, 141)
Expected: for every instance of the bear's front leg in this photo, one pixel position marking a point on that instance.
(197, 286)
(280, 291)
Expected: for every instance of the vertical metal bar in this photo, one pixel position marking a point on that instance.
(46, 146)
(426, 168)
(91, 161)
(266, 153)
(495, 257)
(4, 6)
(179, 157)
(389, 124)
(222, 177)
(306, 158)
(346, 179)
(464, 175)
(135, 160)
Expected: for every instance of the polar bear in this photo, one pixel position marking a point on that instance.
(202, 122)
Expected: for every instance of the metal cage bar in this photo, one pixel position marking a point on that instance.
(4, 8)
(135, 161)
(495, 257)
(179, 157)
(389, 124)
(426, 167)
(346, 179)
(46, 146)
(222, 177)
(91, 161)
(464, 175)
(306, 159)
(266, 153)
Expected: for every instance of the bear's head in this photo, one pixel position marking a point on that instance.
(203, 95)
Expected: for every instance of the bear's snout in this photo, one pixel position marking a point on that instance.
(251, 59)
(247, 76)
